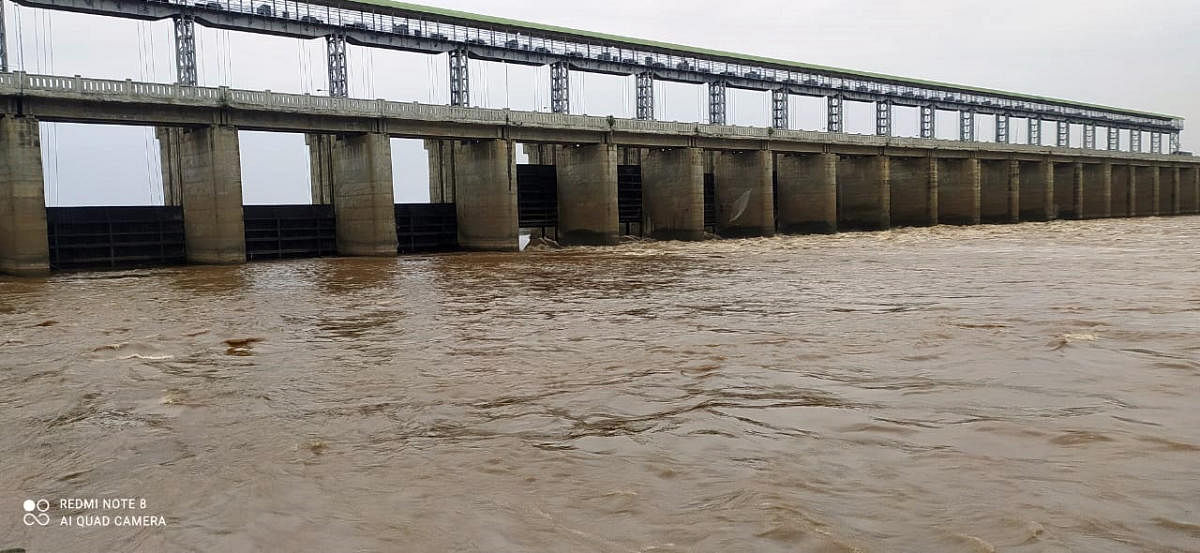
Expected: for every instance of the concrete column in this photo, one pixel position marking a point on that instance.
(807, 193)
(24, 247)
(1037, 190)
(363, 205)
(864, 192)
(996, 197)
(320, 167)
(587, 195)
(913, 191)
(441, 170)
(485, 195)
(1096, 180)
(673, 194)
(168, 155)
(1014, 191)
(960, 194)
(744, 193)
(1078, 190)
(211, 180)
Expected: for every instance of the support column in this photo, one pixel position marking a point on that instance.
(883, 118)
(1114, 139)
(1035, 131)
(24, 246)
(1097, 190)
(1173, 148)
(1064, 134)
(913, 190)
(168, 154)
(779, 108)
(560, 87)
(320, 167)
(864, 192)
(645, 96)
(211, 181)
(1002, 128)
(673, 194)
(1089, 136)
(743, 182)
(959, 191)
(460, 78)
(807, 188)
(1135, 140)
(1037, 190)
(928, 122)
(1156, 143)
(966, 125)
(716, 103)
(339, 80)
(185, 49)
(485, 195)
(363, 205)
(833, 112)
(1014, 191)
(587, 195)
(1079, 191)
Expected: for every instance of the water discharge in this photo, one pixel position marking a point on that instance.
(1026, 388)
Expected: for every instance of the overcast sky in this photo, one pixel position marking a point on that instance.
(1139, 55)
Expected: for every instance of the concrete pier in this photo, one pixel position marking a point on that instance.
(485, 195)
(1146, 192)
(1189, 190)
(363, 203)
(913, 191)
(864, 193)
(1067, 192)
(999, 191)
(673, 193)
(441, 170)
(744, 193)
(211, 183)
(1037, 190)
(24, 248)
(587, 195)
(168, 150)
(960, 194)
(1124, 190)
(1097, 190)
(807, 193)
(320, 167)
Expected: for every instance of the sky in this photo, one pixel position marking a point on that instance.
(1137, 55)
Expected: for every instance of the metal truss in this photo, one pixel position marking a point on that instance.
(1002, 134)
(883, 118)
(560, 87)
(716, 102)
(1035, 131)
(779, 108)
(645, 96)
(1155, 143)
(966, 125)
(928, 121)
(1135, 140)
(185, 50)
(833, 105)
(1089, 137)
(460, 78)
(339, 80)
(1174, 143)
(1114, 139)
(1064, 134)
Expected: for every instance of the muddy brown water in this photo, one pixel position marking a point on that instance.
(1025, 388)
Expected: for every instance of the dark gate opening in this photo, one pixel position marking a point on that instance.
(537, 198)
(426, 227)
(115, 236)
(710, 203)
(629, 199)
(289, 231)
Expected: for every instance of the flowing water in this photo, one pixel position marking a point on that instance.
(1026, 388)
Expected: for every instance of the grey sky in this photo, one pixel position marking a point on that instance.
(1140, 55)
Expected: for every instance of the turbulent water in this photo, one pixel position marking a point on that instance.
(1027, 388)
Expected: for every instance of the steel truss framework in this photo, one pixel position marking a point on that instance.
(185, 50)
(1089, 137)
(1155, 143)
(928, 121)
(833, 112)
(339, 82)
(645, 96)
(460, 78)
(1064, 134)
(1135, 141)
(1035, 132)
(716, 103)
(779, 108)
(966, 126)
(1114, 138)
(560, 88)
(883, 118)
(1002, 133)
(414, 29)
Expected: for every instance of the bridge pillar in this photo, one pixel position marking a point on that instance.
(169, 162)
(24, 247)
(744, 193)
(913, 190)
(1036, 179)
(673, 193)
(320, 167)
(485, 195)
(864, 192)
(363, 205)
(1097, 190)
(999, 195)
(1067, 193)
(807, 193)
(441, 170)
(211, 184)
(587, 195)
(959, 191)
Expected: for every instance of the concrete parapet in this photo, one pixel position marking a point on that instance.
(211, 181)
(587, 195)
(744, 193)
(999, 192)
(363, 203)
(24, 247)
(914, 191)
(320, 167)
(807, 193)
(1037, 190)
(1146, 192)
(864, 193)
(960, 198)
(1096, 180)
(673, 193)
(485, 195)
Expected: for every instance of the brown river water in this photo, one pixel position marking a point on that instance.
(1024, 388)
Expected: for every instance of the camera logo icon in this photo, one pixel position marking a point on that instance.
(35, 512)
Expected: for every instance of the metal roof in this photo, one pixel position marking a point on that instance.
(477, 19)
